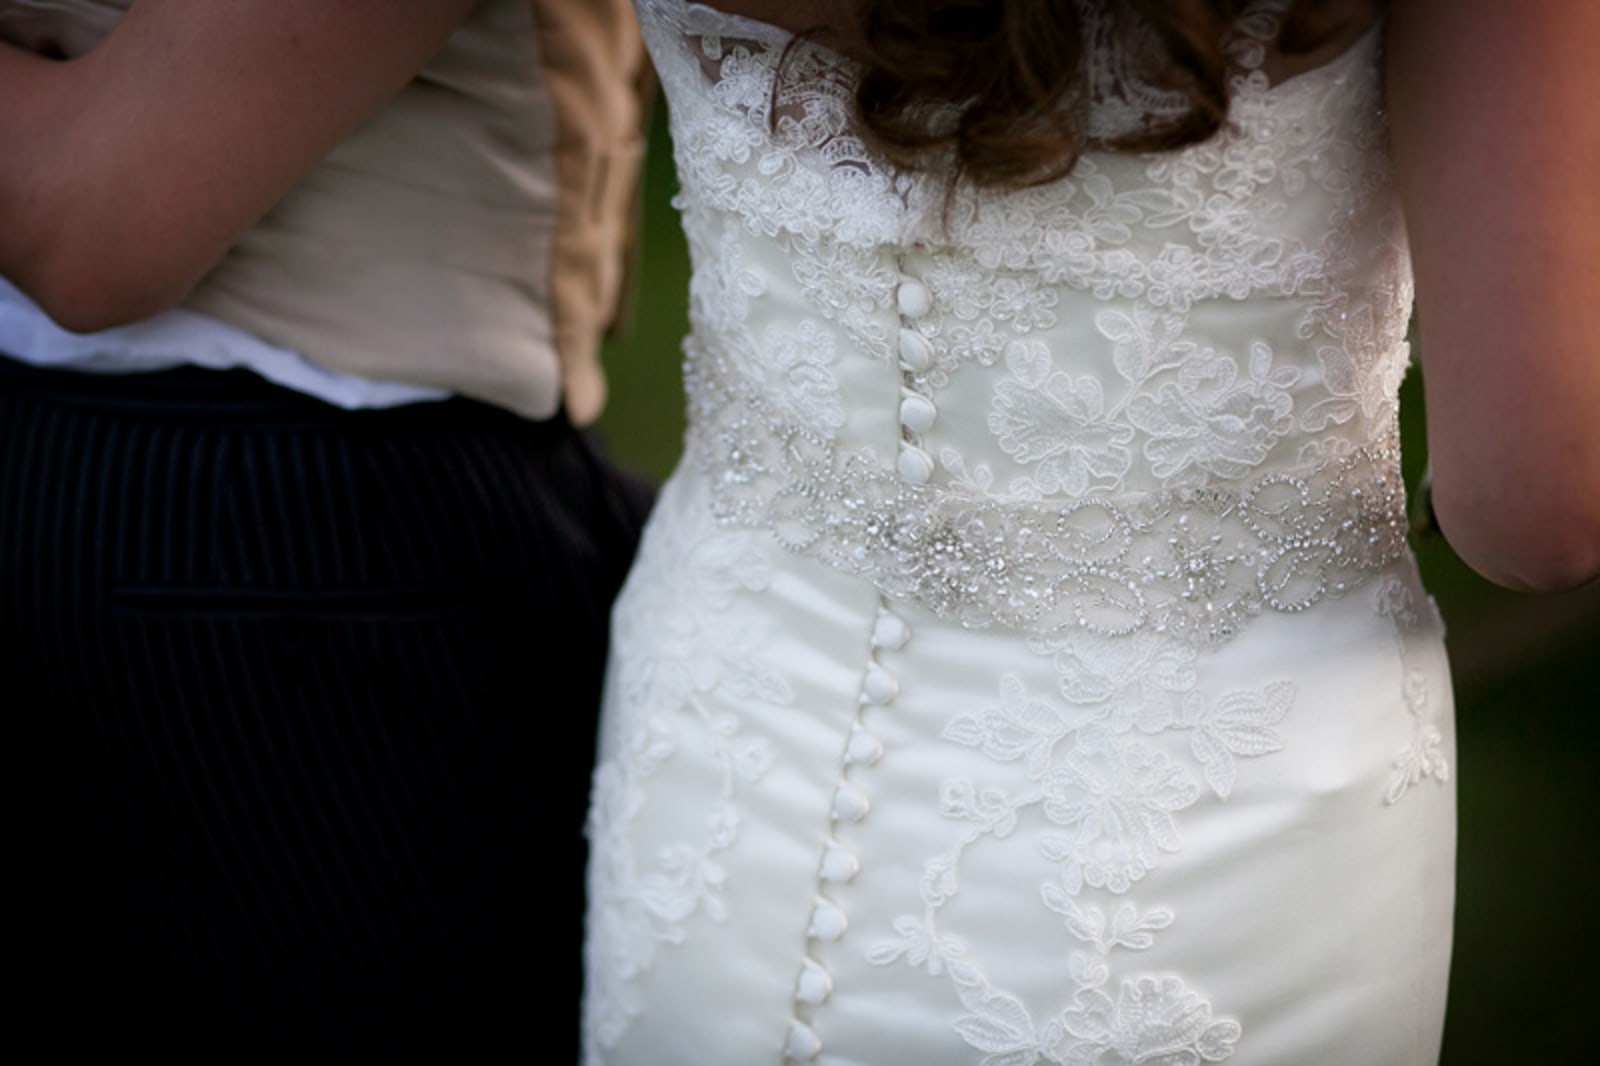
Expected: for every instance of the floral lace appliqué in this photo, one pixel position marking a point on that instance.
(1175, 377)
(1423, 757)
(1110, 801)
(1163, 474)
(638, 902)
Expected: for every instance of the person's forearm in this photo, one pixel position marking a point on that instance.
(76, 234)
(25, 143)
(126, 172)
(1497, 148)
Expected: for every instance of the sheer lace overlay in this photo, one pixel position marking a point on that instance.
(946, 721)
(1164, 471)
(1195, 563)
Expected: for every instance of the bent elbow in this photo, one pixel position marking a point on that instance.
(86, 298)
(1566, 570)
(1549, 572)
(93, 317)
(1551, 552)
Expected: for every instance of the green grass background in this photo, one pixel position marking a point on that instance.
(1527, 676)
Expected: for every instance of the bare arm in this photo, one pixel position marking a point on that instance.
(127, 172)
(1496, 111)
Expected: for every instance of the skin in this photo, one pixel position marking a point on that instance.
(1496, 119)
(128, 171)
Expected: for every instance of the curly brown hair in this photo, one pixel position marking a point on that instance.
(999, 86)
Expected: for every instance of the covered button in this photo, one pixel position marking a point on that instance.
(913, 298)
(802, 1044)
(839, 864)
(864, 749)
(827, 921)
(917, 413)
(849, 803)
(890, 631)
(879, 686)
(914, 464)
(815, 984)
(915, 351)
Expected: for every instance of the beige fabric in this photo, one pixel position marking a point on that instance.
(472, 235)
(597, 156)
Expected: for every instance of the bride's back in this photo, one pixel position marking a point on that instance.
(1227, 317)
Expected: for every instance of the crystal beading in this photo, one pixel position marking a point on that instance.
(1194, 563)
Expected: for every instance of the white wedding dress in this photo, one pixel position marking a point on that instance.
(1026, 664)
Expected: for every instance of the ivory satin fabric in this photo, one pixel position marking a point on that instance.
(1026, 665)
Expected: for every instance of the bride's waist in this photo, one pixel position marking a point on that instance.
(1196, 562)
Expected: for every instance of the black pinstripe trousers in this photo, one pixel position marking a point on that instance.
(306, 702)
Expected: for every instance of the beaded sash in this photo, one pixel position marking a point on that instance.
(1194, 563)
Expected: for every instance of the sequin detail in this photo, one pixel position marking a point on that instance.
(1193, 563)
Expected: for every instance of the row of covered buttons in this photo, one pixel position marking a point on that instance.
(917, 412)
(879, 687)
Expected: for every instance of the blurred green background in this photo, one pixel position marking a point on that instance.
(1527, 676)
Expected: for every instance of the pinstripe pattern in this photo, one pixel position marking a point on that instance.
(312, 698)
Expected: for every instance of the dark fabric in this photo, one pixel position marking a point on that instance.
(307, 702)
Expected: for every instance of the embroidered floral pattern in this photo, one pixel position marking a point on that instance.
(1192, 563)
(1091, 468)
(1176, 378)
(640, 903)
(1111, 803)
(1058, 425)
(1423, 757)
(1153, 1020)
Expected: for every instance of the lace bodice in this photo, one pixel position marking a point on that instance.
(1157, 394)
